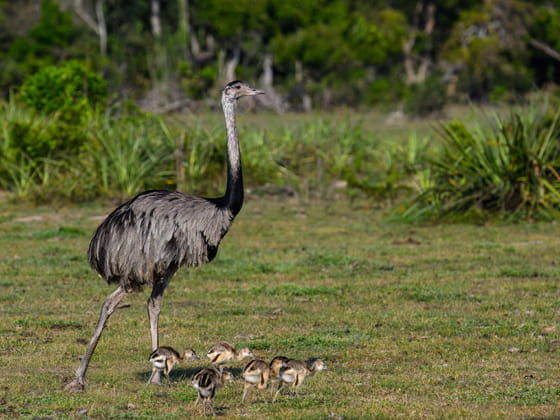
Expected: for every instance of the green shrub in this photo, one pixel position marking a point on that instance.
(70, 90)
(385, 92)
(41, 140)
(426, 98)
(46, 138)
(511, 167)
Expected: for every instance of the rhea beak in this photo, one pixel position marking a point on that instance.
(253, 92)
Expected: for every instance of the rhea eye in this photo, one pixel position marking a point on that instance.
(237, 87)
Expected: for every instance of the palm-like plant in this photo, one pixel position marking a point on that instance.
(509, 167)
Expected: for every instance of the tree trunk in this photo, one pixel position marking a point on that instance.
(196, 50)
(271, 99)
(184, 29)
(155, 19)
(267, 77)
(97, 25)
(416, 68)
(102, 26)
(306, 102)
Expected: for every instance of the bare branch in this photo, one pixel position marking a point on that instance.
(102, 26)
(545, 48)
(88, 20)
(96, 25)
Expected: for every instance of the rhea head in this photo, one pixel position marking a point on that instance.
(236, 89)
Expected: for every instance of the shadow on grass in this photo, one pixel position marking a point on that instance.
(182, 375)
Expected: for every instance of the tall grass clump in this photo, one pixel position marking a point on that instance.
(509, 168)
(128, 154)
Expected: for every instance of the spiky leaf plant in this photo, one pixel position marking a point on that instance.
(509, 167)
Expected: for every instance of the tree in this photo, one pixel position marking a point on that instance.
(490, 46)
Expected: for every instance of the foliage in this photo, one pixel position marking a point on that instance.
(33, 150)
(545, 28)
(375, 38)
(71, 90)
(39, 140)
(509, 168)
(428, 97)
(336, 52)
(52, 38)
(127, 155)
(119, 152)
(489, 44)
(394, 166)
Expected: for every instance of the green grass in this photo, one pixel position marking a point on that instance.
(427, 321)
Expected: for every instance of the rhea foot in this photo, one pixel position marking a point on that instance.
(75, 386)
(156, 379)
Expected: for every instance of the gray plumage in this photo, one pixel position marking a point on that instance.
(147, 239)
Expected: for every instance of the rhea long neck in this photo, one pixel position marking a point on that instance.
(233, 197)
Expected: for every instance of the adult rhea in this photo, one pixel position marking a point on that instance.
(147, 239)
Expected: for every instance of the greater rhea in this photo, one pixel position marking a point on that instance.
(295, 371)
(256, 373)
(223, 352)
(165, 358)
(207, 381)
(146, 240)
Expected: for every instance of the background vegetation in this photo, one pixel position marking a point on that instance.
(309, 54)
(91, 86)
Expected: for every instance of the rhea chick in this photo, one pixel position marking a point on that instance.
(223, 352)
(256, 373)
(207, 381)
(276, 364)
(165, 358)
(295, 371)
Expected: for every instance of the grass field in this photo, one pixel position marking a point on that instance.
(434, 321)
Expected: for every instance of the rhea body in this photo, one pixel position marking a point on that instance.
(295, 371)
(147, 239)
(276, 365)
(256, 374)
(164, 358)
(223, 352)
(207, 381)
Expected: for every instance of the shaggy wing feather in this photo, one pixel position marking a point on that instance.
(149, 237)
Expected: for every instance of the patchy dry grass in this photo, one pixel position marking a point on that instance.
(444, 321)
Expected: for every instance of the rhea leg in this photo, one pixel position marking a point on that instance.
(245, 392)
(277, 391)
(109, 306)
(154, 370)
(154, 308)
